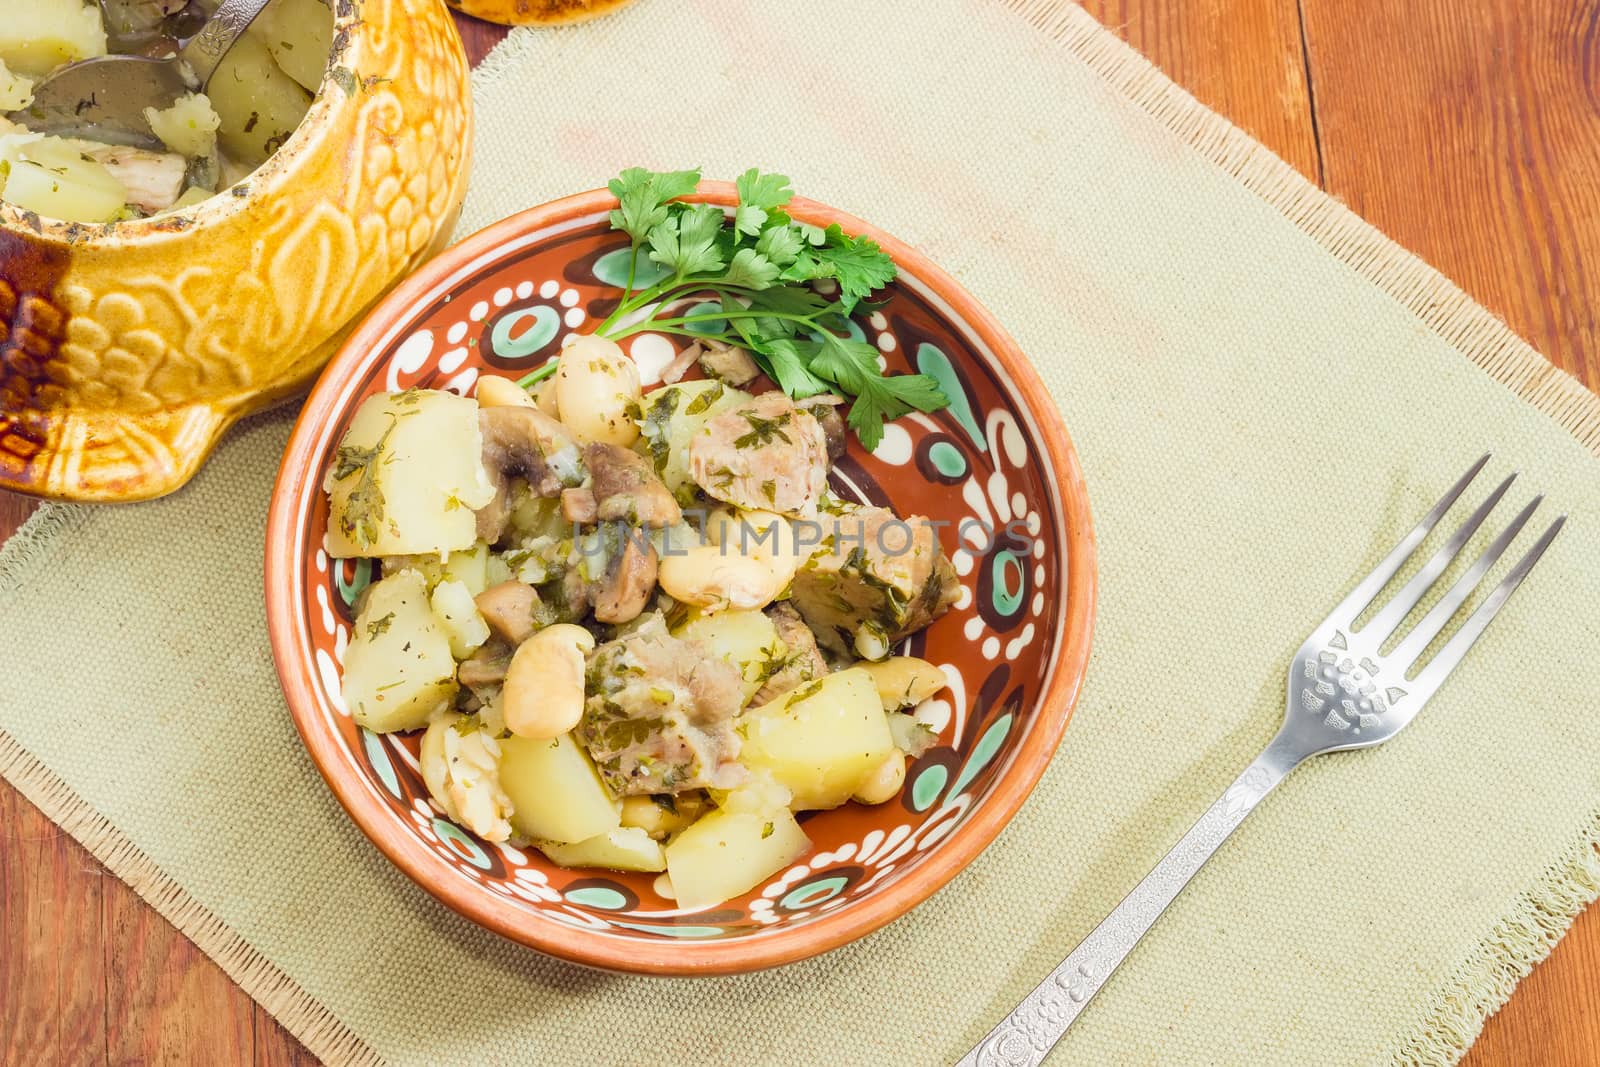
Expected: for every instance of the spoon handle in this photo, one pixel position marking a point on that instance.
(205, 49)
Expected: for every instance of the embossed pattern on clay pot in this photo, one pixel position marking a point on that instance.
(127, 349)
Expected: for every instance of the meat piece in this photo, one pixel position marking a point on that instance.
(876, 579)
(765, 454)
(802, 660)
(626, 488)
(510, 609)
(728, 363)
(659, 718)
(630, 575)
(525, 443)
(673, 372)
(153, 181)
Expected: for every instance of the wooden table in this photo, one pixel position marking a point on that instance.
(1468, 132)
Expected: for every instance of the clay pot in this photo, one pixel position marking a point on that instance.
(127, 349)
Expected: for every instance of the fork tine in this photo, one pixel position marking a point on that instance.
(1422, 635)
(1369, 587)
(1455, 648)
(1394, 613)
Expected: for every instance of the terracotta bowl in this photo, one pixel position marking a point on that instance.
(1014, 648)
(127, 349)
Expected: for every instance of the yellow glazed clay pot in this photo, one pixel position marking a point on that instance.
(127, 349)
(535, 12)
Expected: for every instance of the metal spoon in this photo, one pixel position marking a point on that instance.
(105, 97)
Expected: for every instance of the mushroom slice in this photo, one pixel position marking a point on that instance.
(578, 506)
(626, 488)
(509, 610)
(728, 363)
(523, 442)
(621, 594)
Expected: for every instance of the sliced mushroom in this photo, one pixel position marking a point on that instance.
(486, 667)
(626, 488)
(523, 442)
(826, 409)
(630, 577)
(728, 363)
(578, 506)
(509, 609)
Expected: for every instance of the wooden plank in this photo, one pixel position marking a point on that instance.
(166, 1003)
(1241, 58)
(52, 988)
(1469, 133)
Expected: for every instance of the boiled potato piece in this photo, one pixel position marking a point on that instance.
(728, 853)
(299, 35)
(407, 477)
(469, 566)
(556, 794)
(398, 669)
(37, 36)
(53, 177)
(821, 741)
(453, 606)
(746, 639)
(16, 90)
(188, 127)
(259, 104)
(673, 415)
(626, 848)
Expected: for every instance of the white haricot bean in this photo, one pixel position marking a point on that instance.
(762, 536)
(543, 692)
(885, 781)
(544, 398)
(708, 578)
(904, 680)
(497, 392)
(597, 392)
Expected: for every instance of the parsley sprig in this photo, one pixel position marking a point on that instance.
(764, 268)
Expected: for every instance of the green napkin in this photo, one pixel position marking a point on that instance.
(1265, 393)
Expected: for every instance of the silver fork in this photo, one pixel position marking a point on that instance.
(1344, 693)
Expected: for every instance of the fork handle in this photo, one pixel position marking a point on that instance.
(1025, 1036)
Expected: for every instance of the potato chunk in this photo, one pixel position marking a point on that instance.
(188, 127)
(556, 794)
(672, 416)
(746, 639)
(16, 90)
(626, 848)
(407, 477)
(52, 177)
(299, 35)
(728, 853)
(821, 741)
(398, 669)
(37, 36)
(258, 103)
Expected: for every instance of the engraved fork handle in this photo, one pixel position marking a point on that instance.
(1025, 1036)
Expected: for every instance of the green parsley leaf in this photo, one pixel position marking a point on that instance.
(858, 263)
(686, 241)
(751, 270)
(780, 244)
(758, 193)
(644, 195)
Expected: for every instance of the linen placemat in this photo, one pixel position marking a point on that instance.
(1265, 393)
